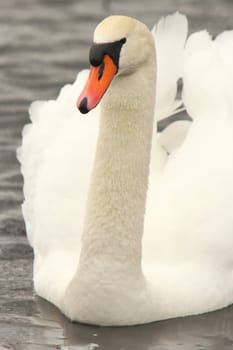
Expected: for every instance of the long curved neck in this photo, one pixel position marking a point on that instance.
(117, 194)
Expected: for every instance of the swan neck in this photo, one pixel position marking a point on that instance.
(116, 202)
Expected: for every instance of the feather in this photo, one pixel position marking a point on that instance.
(170, 35)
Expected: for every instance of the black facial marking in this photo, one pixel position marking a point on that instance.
(98, 51)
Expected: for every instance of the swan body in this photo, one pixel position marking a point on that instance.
(129, 226)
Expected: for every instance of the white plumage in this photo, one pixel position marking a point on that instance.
(170, 41)
(188, 231)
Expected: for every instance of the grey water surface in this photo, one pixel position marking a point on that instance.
(43, 44)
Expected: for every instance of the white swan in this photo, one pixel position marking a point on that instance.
(184, 264)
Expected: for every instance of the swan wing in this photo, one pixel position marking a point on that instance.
(57, 140)
(208, 73)
(170, 36)
(189, 217)
(174, 135)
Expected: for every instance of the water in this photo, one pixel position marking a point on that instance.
(43, 44)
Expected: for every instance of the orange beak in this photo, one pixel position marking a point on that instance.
(98, 81)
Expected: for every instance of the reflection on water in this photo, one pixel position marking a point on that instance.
(209, 331)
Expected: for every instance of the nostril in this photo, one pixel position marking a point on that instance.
(83, 106)
(101, 71)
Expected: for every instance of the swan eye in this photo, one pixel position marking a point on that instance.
(98, 51)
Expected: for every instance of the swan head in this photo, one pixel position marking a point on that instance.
(121, 46)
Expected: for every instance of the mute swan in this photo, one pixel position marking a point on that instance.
(183, 263)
